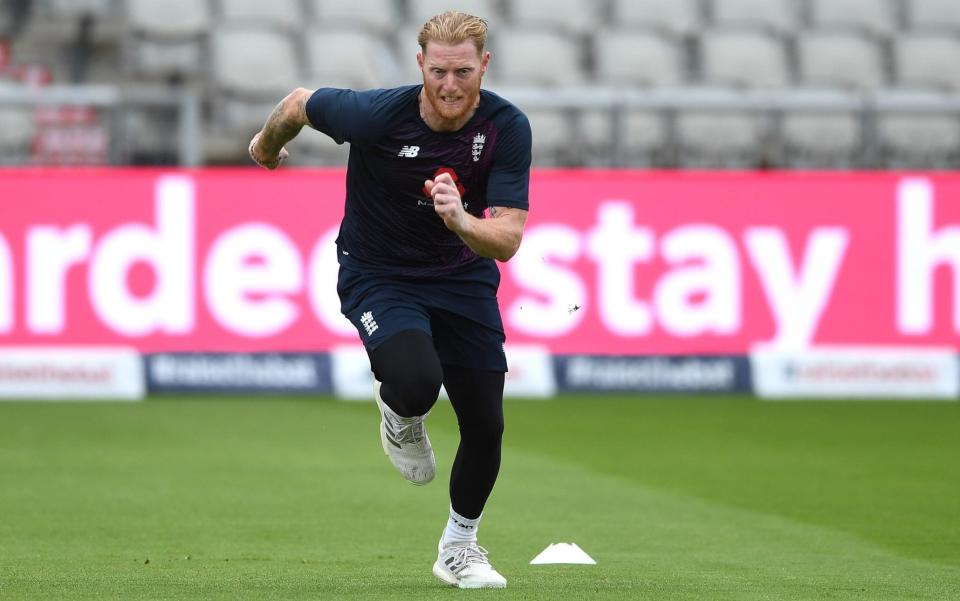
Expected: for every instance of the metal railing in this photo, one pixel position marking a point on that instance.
(772, 105)
(186, 103)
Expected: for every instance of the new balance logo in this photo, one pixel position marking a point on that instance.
(369, 323)
(409, 151)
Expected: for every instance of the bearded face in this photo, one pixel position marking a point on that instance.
(451, 78)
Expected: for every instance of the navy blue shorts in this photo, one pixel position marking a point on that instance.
(459, 311)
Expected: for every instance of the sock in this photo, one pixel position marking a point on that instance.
(460, 529)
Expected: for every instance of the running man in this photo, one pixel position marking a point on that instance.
(437, 184)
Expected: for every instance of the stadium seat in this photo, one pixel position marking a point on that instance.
(349, 59)
(820, 139)
(254, 62)
(933, 15)
(381, 16)
(677, 17)
(172, 19)
(575, 17)
(919, 141)
(927, 61)
(282, 14)
(167, 39)
(418, 11)
(630, 58)
(874, 17)
(839, 59)
(743, 59)
(554, 137)
(645, 139)
(777, 16)
(719, 139)
(536, 58)
(252, 70)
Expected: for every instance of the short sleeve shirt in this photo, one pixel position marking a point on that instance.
(389, 224)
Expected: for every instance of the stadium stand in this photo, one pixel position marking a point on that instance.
(776, 16)
(379, 16)
(571, 17)
(678, 18)
(826, 83)
(624, 57)
(837, 59)
(167, 40)
(285, 15)
(538, 58)
(872, 17)
(933, 15)
(749, 59)
(418, 11)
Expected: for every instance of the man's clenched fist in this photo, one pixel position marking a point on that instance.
(266, 163)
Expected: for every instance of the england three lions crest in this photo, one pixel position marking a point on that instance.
(478, 141)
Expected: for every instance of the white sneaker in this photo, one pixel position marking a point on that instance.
(405, 442)
(465, 565)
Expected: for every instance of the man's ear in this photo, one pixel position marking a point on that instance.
(484, 62)
(420, 60)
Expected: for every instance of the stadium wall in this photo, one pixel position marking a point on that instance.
(627, 280)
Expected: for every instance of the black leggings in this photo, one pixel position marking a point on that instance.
(408, 366)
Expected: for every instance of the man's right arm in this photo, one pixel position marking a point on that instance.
(283, 124)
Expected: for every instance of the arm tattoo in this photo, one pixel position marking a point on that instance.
(284, 123)
(280, 128)
(493, 211)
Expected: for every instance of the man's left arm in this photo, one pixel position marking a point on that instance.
(497, 237)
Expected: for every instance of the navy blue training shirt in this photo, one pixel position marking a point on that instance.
(389, 224)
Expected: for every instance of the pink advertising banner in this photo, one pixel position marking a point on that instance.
(613, 262)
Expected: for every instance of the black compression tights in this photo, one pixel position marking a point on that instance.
(411, 373)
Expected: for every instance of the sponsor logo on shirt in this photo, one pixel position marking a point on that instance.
(409, 151)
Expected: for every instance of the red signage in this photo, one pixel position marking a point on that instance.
(612, 262)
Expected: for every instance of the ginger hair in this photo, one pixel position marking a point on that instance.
(452, 27)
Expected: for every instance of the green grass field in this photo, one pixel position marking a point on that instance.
(676, 498)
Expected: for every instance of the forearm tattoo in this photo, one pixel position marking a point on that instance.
(280, 128)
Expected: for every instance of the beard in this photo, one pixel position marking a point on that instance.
(467, 102)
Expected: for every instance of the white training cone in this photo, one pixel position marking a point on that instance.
(563, 553)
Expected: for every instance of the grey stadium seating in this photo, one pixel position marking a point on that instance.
(750, 59)
(874, 17)
(885, 70)
(347, 59)
(821, 139)
(933, 15)
(418, 11)
(537, 58)
(167, 38)
(380, 16)
(781, 17)
(286, 15)
(573, 17)
(928, 61)
(839, 59)
(678, 17)
(628, 58)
